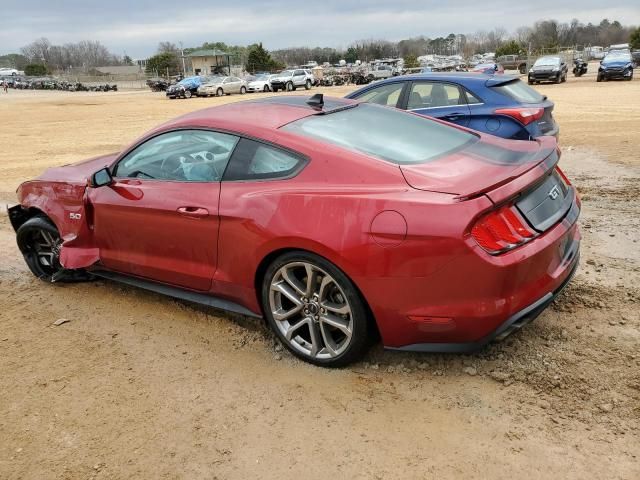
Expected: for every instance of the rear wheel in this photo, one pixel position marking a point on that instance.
(307, 85)
(39, 242)
(523, 69)
(219, 92)
(315, 310)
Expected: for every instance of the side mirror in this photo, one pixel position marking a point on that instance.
(101, 178)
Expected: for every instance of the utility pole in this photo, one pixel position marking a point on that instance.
(184, 67)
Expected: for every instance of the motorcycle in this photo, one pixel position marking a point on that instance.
(579, 67)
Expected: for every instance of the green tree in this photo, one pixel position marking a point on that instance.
(162, 62)
(351, 55)
(35, 70)
(13, 60)
(260, 59)
(510, 48)
(634, 39)
(411, 61)
(127, 60)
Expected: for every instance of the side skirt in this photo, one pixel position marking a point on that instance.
(195, 297)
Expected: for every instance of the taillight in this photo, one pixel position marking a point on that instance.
(523, 115)
(502, 230)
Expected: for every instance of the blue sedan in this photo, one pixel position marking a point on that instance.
(501, 105)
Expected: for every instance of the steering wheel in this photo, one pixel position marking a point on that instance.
(172, 166)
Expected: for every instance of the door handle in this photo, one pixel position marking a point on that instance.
(453, 116)
(193, 212)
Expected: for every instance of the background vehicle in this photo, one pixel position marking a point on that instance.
(488, 68)
(380, 71)
(259, 83)
(331, 218)
(185, 88)
(616, 65)
(8, 71)
(290, 80)
(220, 86)
(500, 105)
(550, 68)
(579, 67)
(513, 62)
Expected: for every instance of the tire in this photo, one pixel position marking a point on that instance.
(275, 89)
(219, 92)
(243, 90)
(564, 78)
(599, 78)
(307, 85)
(297, 289)
(522, 69)
(558, 79)
(530, 82)
(187, 94)
(289, 87)
(39, 241)
(266, 89)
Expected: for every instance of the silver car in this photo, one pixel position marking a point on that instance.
(220, 86)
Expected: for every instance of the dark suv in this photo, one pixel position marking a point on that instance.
(550, 68)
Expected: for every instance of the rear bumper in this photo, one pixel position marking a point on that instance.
(473, 297)
(511, 325)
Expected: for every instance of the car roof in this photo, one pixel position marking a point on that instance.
(256, 116)
(465, 78)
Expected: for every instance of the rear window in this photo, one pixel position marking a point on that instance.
(385, 133)
(519, 91)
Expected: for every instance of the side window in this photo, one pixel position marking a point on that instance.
(388, 94)
(297, 73)
(471, 98)
(432, 94)
(253, 160)
(182, 155)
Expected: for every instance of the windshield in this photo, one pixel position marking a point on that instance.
(286, 73)
(547, 61)
(215, 79)
(617, 57)
(386, 133)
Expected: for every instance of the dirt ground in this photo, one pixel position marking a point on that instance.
(136, 385)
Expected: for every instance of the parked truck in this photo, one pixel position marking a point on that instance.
(513, 62)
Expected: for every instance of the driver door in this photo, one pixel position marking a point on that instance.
(159, 218)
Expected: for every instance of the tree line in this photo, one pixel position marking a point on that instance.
(543, 34)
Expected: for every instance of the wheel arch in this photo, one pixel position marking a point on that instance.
(270, 257)
(18, 215)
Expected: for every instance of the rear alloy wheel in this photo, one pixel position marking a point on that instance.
(219, 92)
(315, 310)
(307, 85)
(39, 242)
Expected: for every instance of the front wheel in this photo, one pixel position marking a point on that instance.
(266, 88)
(243, 90)
(39, 241)
(219, 92)
(315, 310)
(289, 86)
(187, 94)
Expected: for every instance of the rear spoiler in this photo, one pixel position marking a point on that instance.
(496, 80)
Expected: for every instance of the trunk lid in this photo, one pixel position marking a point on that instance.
(483, 167)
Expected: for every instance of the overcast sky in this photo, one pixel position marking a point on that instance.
(136, 26)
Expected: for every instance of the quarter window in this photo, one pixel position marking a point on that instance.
(388, 94)
(433, 94)
(182, 155)
(256, 161)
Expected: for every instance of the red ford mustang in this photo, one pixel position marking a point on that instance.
(335, 220)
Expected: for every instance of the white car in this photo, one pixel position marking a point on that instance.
(8, 71)
(259, 83)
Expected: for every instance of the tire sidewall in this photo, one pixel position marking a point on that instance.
(22, 235)
(360, 334)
